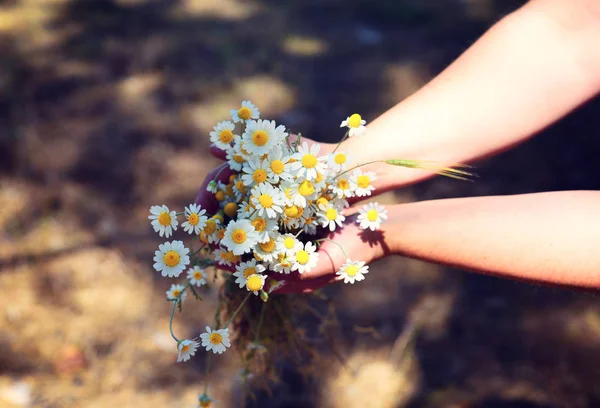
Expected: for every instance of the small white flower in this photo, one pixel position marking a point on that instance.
(330, 216)
(255, 172)
(175, 292)
(267, 251)
(197, 276)
(163, 220)
(371, 216)
(240, 237)
(247, 111)
(264, 226)
(305, 259)
(338, 161)
(255, 283)
(235, 158)
(282, 265)
(278, 166)
(267, 200)
(308, 163)
(246, 269)
(353, 271)
(362, 183)
(196, 220)
(186, 349)
(222, 134)
(301, 192)
(212, 186)
(225, 258)
(215, 340)
(355, 124)
(260, 136)
(289, 244)
(171, 258)
(342, 187)
(245, 209)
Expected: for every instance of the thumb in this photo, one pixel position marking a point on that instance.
(331, 257)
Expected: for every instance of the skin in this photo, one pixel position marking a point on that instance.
(529, 70)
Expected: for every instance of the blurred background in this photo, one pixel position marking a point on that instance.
(105, 109)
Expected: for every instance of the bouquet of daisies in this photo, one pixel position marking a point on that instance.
(282, 196)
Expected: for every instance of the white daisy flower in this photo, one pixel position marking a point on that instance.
(267, 200)
(301, 192)
(305, 259)
(307, 162)
(264, 226)
(222, 134)
(371, 216)
(225, 258)
(342, 187)
(362, 183)
(235, 158)
(246, 269)
(163, 220)
(239, 189)
(330, 216)
(255, 172)
(215, 340)
(289, 244)
(196, 220)
(240, 237)
(176, 291)
(310, 226)
(355, 124)
(197, 276)
(282, 264)
(171, 258)
(245, 209)
(255, 283)
(186, 349)
(212, 186)
(260, 137)
(278, 166)
(267, 251)
(320, 182)
(292, 215)
(353, 271)
(209, 233)
(247, 111)
(338, 161)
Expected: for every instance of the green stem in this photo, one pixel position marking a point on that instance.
(360, 165)
(332, 241)
(171, 321)
(340, 142)
(237, 310)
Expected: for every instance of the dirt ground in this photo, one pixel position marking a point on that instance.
(105, 108)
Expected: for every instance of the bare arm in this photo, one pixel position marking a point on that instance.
(527, 71)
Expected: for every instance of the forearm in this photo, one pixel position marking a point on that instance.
(526, 72)
(545, 237)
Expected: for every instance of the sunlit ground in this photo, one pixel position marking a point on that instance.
(105, 109)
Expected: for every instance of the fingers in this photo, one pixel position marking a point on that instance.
(207, 199)
(218, 153)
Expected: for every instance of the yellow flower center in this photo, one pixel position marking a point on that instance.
(343, 184)
(302, 257)
(331, 214)
(322, 201)
(176, 293)
(238, 236)
(211, 226)
(230, 209)
(372, 215)
(351, 270)
(265, 200)
(215, 338)
(218, 216)
(198, 275)
(229, 189)
(221, 233)
(193, 219)
(267, 246)
(354, 120)
(185, 348)
(231, 257)
(260, 138)
(244, 113)
(318, 178)
(340, 158)
(309, 161)
(249, 272)
(254, 283)
(238, 158)
(164, 219)
(363, 181)
(220, 195)
(226, 136)
(240, 186)
(259, 224)
(306, 188)
(259, 176)
(171, 258)
(289, 242)
(277, 166)
(293, 212)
